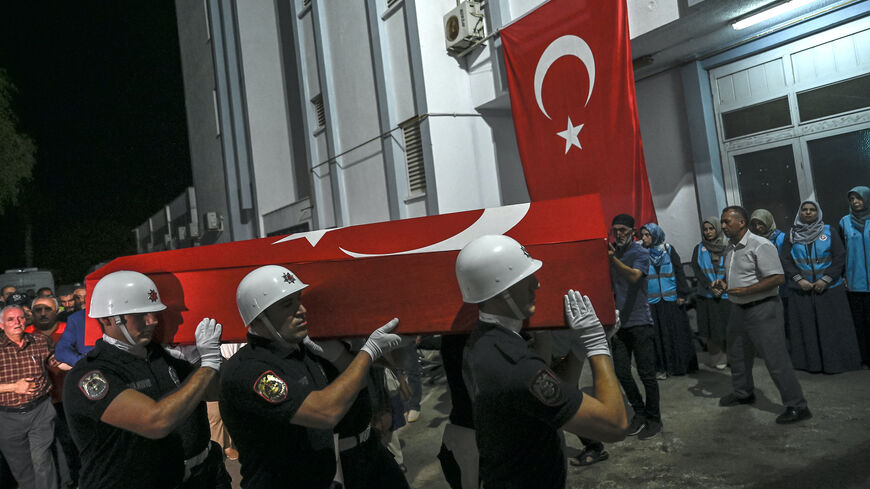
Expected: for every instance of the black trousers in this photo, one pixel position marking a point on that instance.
(370, 465)
(637, 341)
(859, 302)
(211, 473)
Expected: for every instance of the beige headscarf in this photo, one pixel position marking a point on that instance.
(766, 217)
(717, 246)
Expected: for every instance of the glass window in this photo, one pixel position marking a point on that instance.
(756, 118)
(767, 180)
(834, 99)
(839, 163)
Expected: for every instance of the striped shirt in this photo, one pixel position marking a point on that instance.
(29, 360)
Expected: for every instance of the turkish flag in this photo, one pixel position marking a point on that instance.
(360, 277)
(572, 93)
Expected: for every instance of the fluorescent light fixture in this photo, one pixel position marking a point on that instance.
(769, 13)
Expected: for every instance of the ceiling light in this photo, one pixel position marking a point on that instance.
(769, 14)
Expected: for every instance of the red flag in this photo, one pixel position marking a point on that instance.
(572, 94)
(360, 277)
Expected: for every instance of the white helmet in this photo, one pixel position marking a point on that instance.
(124, 292)
(263, 287)
(489, 265)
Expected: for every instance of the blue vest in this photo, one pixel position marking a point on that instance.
(811, 261)
(857, 254)
(705, 263)
(777, 238)
(662, 284)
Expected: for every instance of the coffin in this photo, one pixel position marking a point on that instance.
(362, 276)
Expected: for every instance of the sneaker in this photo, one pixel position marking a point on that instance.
(661, 376)
(733, 400)
(651, 429)
(637, 423)
(793, 415)
(721, 366)
(413, 415)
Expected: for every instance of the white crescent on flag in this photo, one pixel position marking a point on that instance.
(568, 45)
(498, 220)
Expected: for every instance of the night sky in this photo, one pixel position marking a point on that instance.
(101, 95)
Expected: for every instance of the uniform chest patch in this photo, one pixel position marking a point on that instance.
(174, 376)
(545, 387)
(94, 385)
(823, 237)
(271, 387)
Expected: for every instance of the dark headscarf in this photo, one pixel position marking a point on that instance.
(766, 217)
(717, 246)
(807, 233)
(858, 217)
(657, 250)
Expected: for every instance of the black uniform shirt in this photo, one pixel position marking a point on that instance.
(262, 387)
(114, 457)
(519, 407)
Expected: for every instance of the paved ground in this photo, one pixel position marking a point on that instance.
(703, 445)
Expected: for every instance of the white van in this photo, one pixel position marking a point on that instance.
(24, 279)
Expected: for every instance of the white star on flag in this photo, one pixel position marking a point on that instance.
(570, 135)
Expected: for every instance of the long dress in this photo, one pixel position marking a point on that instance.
(821, 334)
(712, 311)
(673, 340)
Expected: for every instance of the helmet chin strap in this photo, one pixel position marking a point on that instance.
(509, 300)
(273, 331)
(122, 325)
(129, 346)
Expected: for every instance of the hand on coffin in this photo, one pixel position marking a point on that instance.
(208, 342)
(591, 339)
(382, 340)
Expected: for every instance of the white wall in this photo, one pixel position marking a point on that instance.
(664, 130)
(269, 132)
(462, 148)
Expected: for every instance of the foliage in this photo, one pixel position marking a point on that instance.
(17, 150)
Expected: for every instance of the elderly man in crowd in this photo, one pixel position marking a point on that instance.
(26, 416)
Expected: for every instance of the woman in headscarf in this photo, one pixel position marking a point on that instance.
(761, 223)
(712, 306)
(821, 334)
(667, 288)
(856, 238)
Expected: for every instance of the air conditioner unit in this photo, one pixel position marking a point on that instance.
(463, 26)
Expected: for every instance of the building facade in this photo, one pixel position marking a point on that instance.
(312, 114)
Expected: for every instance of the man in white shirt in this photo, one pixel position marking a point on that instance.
(753, 274)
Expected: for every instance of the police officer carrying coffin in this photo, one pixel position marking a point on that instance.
(281, 399)
(135, 412)
(520, 404)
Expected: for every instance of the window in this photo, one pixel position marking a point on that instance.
(756, 118)
(834, 99)
(414, 156)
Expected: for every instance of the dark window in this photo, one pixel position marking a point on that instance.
(756, 118)
(834, 99)
(767, 180)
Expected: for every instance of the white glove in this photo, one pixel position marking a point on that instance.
(588, 329)
(329, 350)
(613, 329)
(208, 342)
(382, 341)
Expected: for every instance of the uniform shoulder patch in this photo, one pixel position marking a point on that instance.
(94, 385)
(271, 387)
(545, 387)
